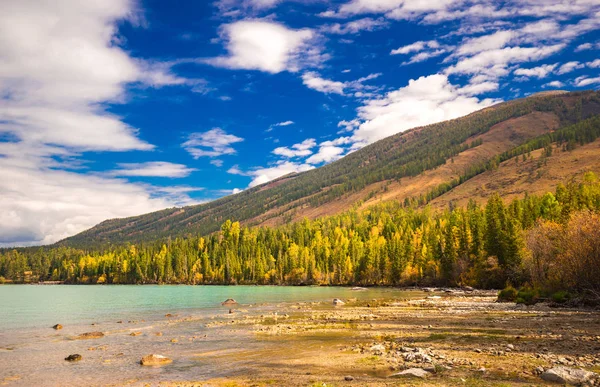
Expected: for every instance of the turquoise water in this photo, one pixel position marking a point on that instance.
(32, 353)
(31, 306)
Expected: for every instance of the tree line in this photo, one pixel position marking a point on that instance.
(525, 241)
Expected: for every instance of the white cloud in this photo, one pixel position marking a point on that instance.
(594, 64)
(423, 101)
(213, 143)
(314, 81)
(264, 175)
(479, 88)
(424, 49)
(493, 41)
(267, 46)
(415, 47)
(60, 65)
(538, 72)
(356, 26)
(585, 81)
(284, 123)
(41, 205)
(297, 150)
(587, 46)
(486, 61)
(554, 84)
(153, 169)
(326, 154)
(217, 163)
(569, 67)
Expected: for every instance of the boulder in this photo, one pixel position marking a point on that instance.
(337, 301)
(570, 376)
(90, 335)
(413, 373)
(57, 326)
(348, 378)
(229, 301)
(155, 360)
(74, 357)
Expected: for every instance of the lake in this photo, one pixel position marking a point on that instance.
(32, 353)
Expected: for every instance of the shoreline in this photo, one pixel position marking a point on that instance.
(463, 339)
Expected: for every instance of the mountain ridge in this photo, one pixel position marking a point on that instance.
(402, 158)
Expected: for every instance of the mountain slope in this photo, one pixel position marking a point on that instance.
(406, 165)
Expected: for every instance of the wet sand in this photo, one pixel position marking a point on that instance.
(460, 339)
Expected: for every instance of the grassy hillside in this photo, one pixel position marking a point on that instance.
(405, 165)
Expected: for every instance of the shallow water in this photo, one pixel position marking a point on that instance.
(32, 353)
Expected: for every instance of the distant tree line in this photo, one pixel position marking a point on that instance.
(551, 241)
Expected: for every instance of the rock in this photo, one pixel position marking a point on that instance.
(433, 297)
(478, 350)
(90, 335)
(168, 315)
(57, 326)
(539, 370)
(510, 346)
(174, 340)
(337, 301)
(155, 360)
(229, 301)
(158, 333)
(565, 375)
(135, 334)
(358, 288)
(74, 357)
(482, 370)
(377, 349)
(413, 372)
(348, 378)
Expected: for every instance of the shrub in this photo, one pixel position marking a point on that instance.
(561, 297)
(527, 296)
(508, 294)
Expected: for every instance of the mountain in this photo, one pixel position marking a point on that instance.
(495, 149)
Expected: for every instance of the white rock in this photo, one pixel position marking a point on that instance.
(565, 375)
(413, 372)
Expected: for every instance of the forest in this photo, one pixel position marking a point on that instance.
(549, 242)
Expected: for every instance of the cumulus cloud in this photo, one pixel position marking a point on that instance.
(213, 143)
(423, 101)
(41, 205)
(60, 64)
(267, 46)
(594, 64)
(296, 150)
(153, 169)
(326, 154)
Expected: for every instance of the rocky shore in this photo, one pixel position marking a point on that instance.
(446, 338)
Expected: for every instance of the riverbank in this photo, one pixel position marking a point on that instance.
(454, 339)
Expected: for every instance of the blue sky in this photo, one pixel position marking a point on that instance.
(116, 108)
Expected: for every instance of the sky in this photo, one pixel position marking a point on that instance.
(116, 108)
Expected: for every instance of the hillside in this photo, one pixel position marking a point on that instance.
(408, 165)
